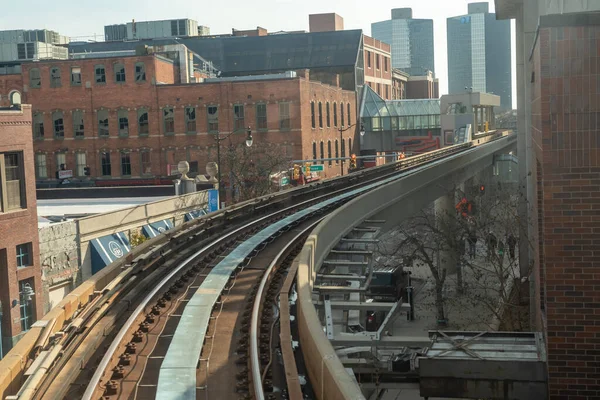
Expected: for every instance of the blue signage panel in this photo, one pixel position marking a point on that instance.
(107, 249)
(194, 214)
(213, 200)
(156, 228)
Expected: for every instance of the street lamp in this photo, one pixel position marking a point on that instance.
(219, 139)
(342, 130)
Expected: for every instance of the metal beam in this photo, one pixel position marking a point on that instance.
(365, 229)
(359, 240)
(341, 277)
(339, 289)
(328, 320)
(345, 263)
(385, 341)
(353, 252)
(353, 305)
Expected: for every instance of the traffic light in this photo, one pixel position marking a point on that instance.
(353, 161)
(481, 190)
(307, 168)
(296, 174)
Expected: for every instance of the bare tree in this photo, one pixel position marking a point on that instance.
(249, 169)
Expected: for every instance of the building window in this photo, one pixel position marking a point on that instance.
(350, 146)
(284, 116)
(38, 126)
(55, 77)
(377, 61)
(119, 73)
(103, 123)
(379, 89)
(59, 124)
(80, 163)
(329, 151)
(78, 126)
(322, 148)
(122, 115)
(385, 64)
(41, 171)
(12, 181)
(337, 151)
(314, 150)
(387, 92)
(105, 163)
(125, 164)
(190, 119)
(342, 113)
(335, 114)
(343, 147)
(75, 76)
(261, 117)
(100, 74)
(143, 128)
(140, 72)
(327, 115)
(145, 159)
(35, 78)
(168, 121)
(349, 117)
(320, 115)
(26, 289)
(368, 59)
(312, 114)
(238, 117)
(61, 162)
(213, 118)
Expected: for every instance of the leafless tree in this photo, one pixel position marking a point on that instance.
(248, 169)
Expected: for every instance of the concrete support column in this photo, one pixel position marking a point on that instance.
(445, 214)
(476, 127)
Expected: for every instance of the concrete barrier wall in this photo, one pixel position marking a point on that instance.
(408, 195)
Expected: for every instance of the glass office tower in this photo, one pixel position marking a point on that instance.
(479, 50)
(411, 41)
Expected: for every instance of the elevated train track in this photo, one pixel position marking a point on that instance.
(195, 313)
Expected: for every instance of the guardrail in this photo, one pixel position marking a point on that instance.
(18, 359)
(328, 377)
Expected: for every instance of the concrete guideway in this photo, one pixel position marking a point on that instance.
(424, 185)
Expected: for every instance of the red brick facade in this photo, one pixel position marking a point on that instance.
(18, 224)
(8, 84)
(378, 67)
(154, 150)
(566, 143)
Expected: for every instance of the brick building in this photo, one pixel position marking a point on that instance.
(378, 67)
(130, 118)
(565, 128)
(20, 277)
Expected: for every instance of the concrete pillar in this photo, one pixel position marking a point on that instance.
(476, 127)
(445, 214)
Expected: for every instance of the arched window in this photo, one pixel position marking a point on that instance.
(143, 128)
(322, 152)
(337, 151)
(103, 123)
(335, 114)
(38, 126)
(342, 114)
(123, 118)
(329, 151)
(55, 77)
(140, 72)
(15, 98)
(349, 119)
(314, 150)
(100, 74)
(328, 117)
(35, 78)
(78, 125)
(312, 114)
(59, 125)
(119, 73)
(320, 115)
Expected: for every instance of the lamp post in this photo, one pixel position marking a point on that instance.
(342, 130)
(219, 139)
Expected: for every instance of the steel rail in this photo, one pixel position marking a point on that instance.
(256, 310)
(407, 163)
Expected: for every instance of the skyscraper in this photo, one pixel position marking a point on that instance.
(479, 54)
(411, 41)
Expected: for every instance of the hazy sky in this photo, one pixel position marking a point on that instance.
(77, 18)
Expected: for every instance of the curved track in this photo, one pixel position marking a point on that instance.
(183, 321)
